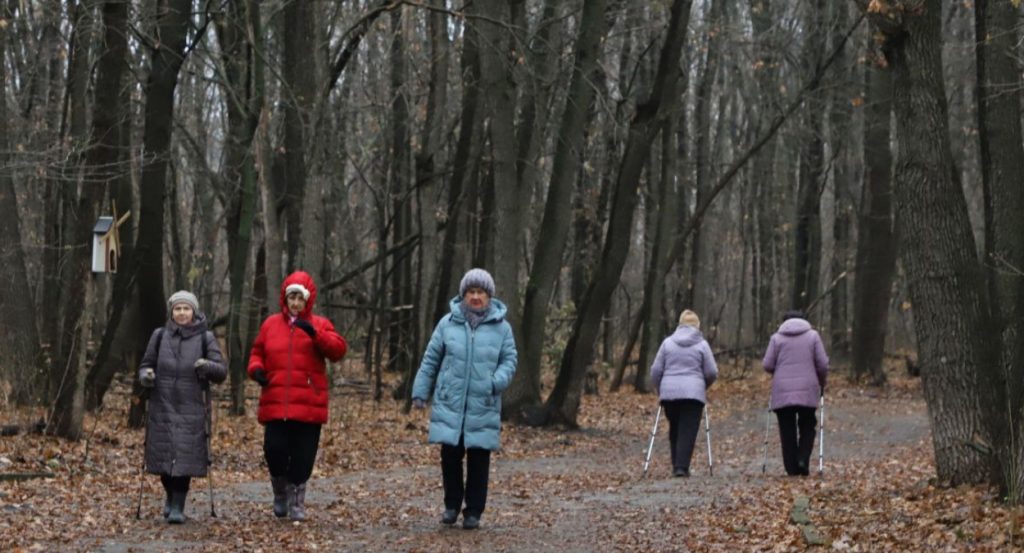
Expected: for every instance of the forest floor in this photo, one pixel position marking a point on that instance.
(376, 486)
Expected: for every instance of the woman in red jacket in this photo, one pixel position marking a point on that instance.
(287, 360)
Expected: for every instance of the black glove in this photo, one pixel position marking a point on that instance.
(306, 327)
(260, 376)
(200, 367)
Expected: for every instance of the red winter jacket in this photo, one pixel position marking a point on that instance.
(294, 362)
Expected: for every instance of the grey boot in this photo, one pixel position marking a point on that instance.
(167, 503)
(280, 486)
(176, 514)
(297, 501)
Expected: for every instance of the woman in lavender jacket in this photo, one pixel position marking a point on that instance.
(798, 364)
(682, 371)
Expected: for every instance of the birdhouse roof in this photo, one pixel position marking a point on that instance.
(103, 225)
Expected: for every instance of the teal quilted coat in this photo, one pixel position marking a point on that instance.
(466, 371)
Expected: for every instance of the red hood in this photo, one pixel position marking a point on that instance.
(303, 278)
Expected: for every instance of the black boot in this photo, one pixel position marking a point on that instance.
(167, 503)
(470, 522)
(176, 514)
(449, 516)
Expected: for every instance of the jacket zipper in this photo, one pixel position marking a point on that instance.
(469, 375)
(291, 367)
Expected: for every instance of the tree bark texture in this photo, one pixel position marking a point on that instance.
(943, 273)
(877, 244)
(1002, 169)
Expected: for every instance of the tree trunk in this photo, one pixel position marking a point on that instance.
(167, 53)
(1002, 168)
(510, 200)
(21, 355)
(661, 250)
(840, 117)
(239, 36)
(807, 237)
(945, 279)
(562, 405)
(299, 77)
(466, 150)
(554, 229)
(112, 132)
(877, 244)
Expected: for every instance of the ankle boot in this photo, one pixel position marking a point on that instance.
(176, 513)
(280, 486)
(297, 501)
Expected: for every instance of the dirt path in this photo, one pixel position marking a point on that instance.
(591, 501)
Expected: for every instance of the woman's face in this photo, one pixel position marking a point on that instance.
(476, 298)
(182, 313)
(296, 303)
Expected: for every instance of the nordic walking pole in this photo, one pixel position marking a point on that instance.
(767, 423)
(144, 395)
(650, 447)
(707, 434)
(209, 452)
(821, 436)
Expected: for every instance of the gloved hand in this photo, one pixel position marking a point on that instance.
(147, 377)
(418, 403)
(306, 327)
(260, 376)
(200, 367)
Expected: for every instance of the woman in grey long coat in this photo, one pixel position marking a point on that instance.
(182, 359)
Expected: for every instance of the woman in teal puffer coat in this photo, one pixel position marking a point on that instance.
(469, 362)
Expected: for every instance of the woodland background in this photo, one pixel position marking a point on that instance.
(609, 161)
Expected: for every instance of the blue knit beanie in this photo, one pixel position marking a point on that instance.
(477, 278)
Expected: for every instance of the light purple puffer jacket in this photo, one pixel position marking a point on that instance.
(684, 367)
(797, 360)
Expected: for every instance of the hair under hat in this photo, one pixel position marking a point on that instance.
(297, 288)
(477, 278)
(183, 296)
(689, 318)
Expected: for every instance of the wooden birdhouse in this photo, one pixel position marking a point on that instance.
(106, 243)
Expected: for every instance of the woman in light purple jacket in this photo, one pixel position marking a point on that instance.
(682, 371)
(798, 364)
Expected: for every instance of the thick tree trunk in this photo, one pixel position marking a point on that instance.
(840, 118)
(1002, 167)
(945, 278)
(766, 69)
(555, 225)
(20, 354)
(112, 133)
(510, 200)
(173, 20)
(299, 76)
(877, 244)
(563, 404)
(807, 237)
(239, 36)
(466, 151)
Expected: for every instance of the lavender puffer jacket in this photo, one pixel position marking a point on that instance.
(684, 367)
(797, 360)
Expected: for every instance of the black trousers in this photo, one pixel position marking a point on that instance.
(290, 449)
(474, 491)
(796, 430)
(683, 424)
(175, 483)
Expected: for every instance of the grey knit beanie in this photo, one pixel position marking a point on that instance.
(477, 278)
(183, 296)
